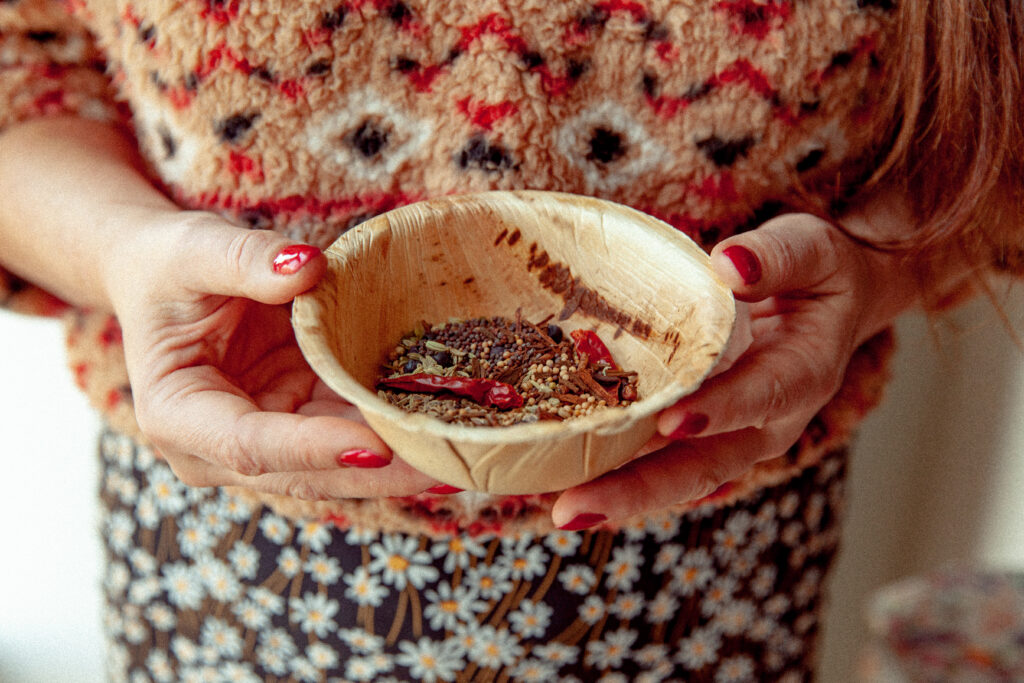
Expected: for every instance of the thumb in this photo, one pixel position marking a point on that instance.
(788, 253)
(255, 264)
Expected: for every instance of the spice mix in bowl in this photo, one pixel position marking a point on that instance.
(514, 342)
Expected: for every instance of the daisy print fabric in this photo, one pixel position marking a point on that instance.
(201, 586)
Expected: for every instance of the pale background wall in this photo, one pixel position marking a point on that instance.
(938, 475)
(50, 561)
(938, 471)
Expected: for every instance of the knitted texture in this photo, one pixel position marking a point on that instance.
(307, 118)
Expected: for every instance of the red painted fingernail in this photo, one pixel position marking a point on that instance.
(692, 425)
(443, 489)
(292, 258)
(584, 520)
(745, 262)
(360, 457)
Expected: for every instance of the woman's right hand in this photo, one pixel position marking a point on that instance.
(219, 384)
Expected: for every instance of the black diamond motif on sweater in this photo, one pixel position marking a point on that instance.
(319, 68)
(42, 36)
(650, 84)
(264, 73)
(485, 156)
(810, 107)
(369, 139)
(405, 64)
(886, 5)
(147, 33)
(725, 152)
(576, 68)
(810, 160)
(606, 146)
(698, 90)
(842, 59)
(597, 17)
(754, 14)
(167, 140)
(235, 126)
(334, 19)
(532, 59)
(655, 31)
(399, 12)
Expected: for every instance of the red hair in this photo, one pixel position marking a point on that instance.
(957, 142)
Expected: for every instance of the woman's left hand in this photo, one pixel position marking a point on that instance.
(814, 295)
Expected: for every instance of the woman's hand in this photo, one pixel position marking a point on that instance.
(219, 384)
(814, 295)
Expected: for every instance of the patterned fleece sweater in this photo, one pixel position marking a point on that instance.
(307, 118)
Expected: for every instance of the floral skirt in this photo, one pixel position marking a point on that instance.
(201, 586)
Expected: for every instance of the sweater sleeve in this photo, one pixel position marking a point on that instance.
(50, 65)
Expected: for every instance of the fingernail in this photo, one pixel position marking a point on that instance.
(443, 489)
(292, 258)
(745, 262)
(692, 424)
(360, 457)
(584, 520)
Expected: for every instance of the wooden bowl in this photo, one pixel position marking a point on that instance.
(644, 287)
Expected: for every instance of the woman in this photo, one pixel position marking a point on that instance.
(196, 155)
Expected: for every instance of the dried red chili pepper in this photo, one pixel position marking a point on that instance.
(587, 341)
(487, 392)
